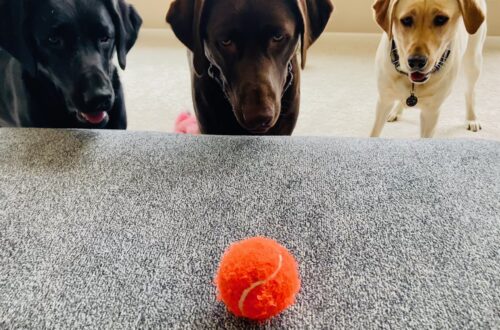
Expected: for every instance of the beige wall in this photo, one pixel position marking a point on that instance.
(153, 12)
(357, 16)
(349, 15)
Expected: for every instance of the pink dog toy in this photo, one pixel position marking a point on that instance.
(186, 123)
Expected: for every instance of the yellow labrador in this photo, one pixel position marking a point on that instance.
(424, 45)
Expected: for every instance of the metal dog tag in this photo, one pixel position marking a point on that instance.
(412, 101)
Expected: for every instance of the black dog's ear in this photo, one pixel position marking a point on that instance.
(185, 17)
(127, 24)
(13, 34)
(315, 15)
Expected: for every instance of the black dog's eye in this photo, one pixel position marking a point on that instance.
(441, 20)
(226, 43)
(407, 21)
(55, 41)
(104, 40)
(278, 37)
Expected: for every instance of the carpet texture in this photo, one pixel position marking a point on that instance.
(125, 230)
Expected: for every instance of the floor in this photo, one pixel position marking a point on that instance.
(338, 89)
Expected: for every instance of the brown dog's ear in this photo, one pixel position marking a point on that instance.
(185, 17)
(315, 15)
(473, 15)
(383, 13)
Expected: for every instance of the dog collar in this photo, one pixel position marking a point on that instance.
(395, 60)
(215, 73)
(412, 100)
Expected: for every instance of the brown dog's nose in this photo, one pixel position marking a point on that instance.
(257, 119)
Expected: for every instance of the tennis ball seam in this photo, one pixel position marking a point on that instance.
(254, 285)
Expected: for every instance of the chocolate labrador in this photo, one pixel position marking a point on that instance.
(56, 62)
(245, 72)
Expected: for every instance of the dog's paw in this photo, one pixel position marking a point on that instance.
(393, 117)
(474, 125)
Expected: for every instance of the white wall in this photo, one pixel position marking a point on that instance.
(349, 15)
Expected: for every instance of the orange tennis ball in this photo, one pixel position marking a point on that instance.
(257, 278)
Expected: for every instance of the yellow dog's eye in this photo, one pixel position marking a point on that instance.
(441, 20)
(407, 21)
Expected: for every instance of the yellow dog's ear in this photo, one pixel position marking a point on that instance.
(315, 14)
(383, 13)
(473, 15)
(185, 17)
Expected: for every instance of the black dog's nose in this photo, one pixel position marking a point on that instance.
(98, 101)
(417, 62)
(97, 91)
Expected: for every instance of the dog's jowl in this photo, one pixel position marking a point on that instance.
(245, 71)
(56, 62)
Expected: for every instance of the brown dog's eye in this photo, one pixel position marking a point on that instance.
(278, 38)
(441, 20)
(407, 21)
(226, 43)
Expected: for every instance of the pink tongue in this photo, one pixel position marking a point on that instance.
(94, 118)
(417, 76)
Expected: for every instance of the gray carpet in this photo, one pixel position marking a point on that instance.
(124, 230)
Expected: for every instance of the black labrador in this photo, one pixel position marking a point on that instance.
(56, 67)
(245, 72)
